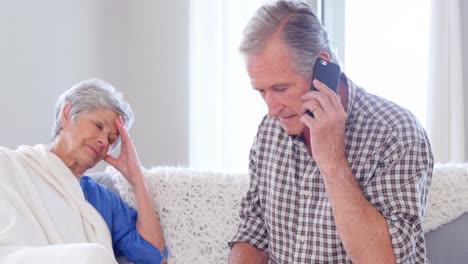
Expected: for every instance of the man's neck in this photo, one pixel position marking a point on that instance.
(343, 93)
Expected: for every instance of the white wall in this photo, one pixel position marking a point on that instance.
(139, 46)
(155, 55)
(464, 17)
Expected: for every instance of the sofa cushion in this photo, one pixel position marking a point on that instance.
(448, 195)
(198, 210)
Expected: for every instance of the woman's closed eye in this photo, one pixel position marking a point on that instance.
(99, 126)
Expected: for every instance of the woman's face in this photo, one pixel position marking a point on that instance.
(86, 139)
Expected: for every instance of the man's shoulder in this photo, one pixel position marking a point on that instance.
(383, 114)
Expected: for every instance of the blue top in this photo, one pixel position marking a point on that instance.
(121, 220)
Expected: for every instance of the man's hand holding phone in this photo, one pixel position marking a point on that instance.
(327, 125)
(327, 73)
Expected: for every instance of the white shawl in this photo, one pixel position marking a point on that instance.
(44, 216)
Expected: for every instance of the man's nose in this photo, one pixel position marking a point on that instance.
(274, 106)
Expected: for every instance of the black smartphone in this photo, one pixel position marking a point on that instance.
(328, 73)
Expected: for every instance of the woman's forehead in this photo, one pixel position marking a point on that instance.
(107, 116)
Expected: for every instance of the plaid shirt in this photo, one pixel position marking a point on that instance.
(286, 211)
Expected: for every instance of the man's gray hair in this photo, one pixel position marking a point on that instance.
(299, 27)
(90, 95)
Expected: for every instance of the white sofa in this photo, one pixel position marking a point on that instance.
(199, 211)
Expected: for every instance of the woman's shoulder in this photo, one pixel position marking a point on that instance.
(88, 182)
(95, 191)
(99, 194)
(6, 153)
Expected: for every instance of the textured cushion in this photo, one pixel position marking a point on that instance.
(448, 195)
(198, 210)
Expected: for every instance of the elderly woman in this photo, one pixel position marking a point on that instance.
(51, 213)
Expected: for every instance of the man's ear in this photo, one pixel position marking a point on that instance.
(324, 55)
(66, 118)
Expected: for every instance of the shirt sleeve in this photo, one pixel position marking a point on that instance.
(399, 191)
(252, 227)
(121, 220)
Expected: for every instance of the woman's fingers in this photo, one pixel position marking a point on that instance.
(111, 160)
(120, 127)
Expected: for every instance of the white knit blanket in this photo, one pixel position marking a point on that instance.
(199, 210)
(44, 216)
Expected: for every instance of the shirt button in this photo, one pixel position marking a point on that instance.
(306, 193)
(303, 239)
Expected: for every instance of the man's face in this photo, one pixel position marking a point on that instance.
(273, 76)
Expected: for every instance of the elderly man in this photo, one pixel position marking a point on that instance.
(346, 185)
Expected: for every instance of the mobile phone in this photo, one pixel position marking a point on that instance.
(326, 72)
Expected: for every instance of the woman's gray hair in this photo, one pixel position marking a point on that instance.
(90, 95)
(300, 28)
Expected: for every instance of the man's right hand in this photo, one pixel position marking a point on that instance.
(244, 253)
